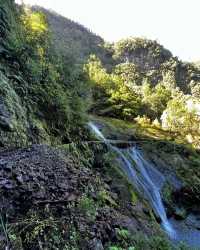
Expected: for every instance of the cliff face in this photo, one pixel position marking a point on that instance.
(32, 84)
(13, 116)
(146, 54)
(73, 40)
(156, 63)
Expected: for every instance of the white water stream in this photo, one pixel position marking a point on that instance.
(149, 181)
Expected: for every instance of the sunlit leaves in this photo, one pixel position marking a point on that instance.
(195, 90)
(122, 100)
(180, 117)
(35, 24)
(129, 73)
(156, 99)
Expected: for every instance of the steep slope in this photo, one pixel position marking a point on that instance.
(73, 40)
(66, 202)
(33, 82)
(156, 63)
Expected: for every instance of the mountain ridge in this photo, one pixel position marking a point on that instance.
(148, 55)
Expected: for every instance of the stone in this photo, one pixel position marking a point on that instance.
(72, 197)
(180, 214)
(19, 179)
(96, 244)
(5, 123)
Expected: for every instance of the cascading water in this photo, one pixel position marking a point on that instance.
(135, 167)
(149, 181)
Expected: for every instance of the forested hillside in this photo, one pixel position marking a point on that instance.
(133, 78)
(149, 85)
(36, 83)
(99, 142)
(73, 41)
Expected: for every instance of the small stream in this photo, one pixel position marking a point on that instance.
(149, 181)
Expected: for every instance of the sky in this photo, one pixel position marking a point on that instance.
(173, 23)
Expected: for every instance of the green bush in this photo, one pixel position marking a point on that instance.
(88, 207)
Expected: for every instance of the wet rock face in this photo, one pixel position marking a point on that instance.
(188, 198)
(37, 175)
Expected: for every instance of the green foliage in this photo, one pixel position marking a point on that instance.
(126, 46)
(179, 117)
(114, 248)
(100, 83)
(3, 21)
(40, 231)
(155, 99)
(140, 242)
(14, 122)
(112, 94)
(123, 234)
(195, 89)
(88, 207)
(51, 90)
(120, 94)
(103, 198)
(124, 101)
(35, 25)
(128, 73)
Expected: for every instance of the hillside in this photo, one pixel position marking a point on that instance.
(99, 143)
(153, 61)
(156, 62)
(73, 40)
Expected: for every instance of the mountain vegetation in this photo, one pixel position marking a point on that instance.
(147, 81)
(60, 187)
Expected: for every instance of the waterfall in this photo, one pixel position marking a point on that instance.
(96, 130)
(142, 175)
(148, 181)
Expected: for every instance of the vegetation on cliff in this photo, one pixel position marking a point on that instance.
(43, 97)
(53, 74)
(153, 92)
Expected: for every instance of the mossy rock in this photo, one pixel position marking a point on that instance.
(13, 116)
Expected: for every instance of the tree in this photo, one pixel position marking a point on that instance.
(129, 73)
(180, 117)
(124, 101)
(111, 93)
(195, 90)
(100, 82)
(155, 99)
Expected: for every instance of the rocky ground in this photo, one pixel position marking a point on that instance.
(56, 199)
(75, 197)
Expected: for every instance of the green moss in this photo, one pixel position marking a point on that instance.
(167, 193)
(15, 115)
(87, 206)
(134, 197)
(123, 234)
(103, 198)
